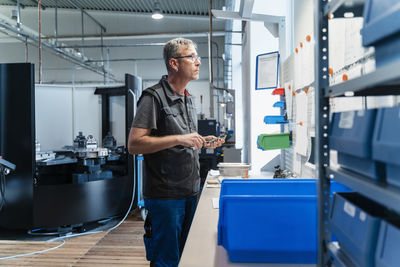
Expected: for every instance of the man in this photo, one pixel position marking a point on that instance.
(165, 131)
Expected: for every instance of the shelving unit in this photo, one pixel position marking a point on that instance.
(382, 81)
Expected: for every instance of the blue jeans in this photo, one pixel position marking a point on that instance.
(167, 226)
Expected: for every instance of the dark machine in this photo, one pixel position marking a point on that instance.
(209, 158)
(75, 185)
(5, 169)
(131, 92)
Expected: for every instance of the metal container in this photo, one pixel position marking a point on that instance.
(234, 169)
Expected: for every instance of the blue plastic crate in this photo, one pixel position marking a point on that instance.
(354, 220)
(275, 187)
(366, 167)
(275, 119)
(382, 29)
(272, 220)
(386, 142)
(351, 135)
(387, 252)
(279, 104)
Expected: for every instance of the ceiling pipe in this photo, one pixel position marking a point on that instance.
(138, 59)
(88, 37)
(24, 33)
(128, 45)
(21, 35)
(139, 45)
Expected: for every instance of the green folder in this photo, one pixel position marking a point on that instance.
(273, 141)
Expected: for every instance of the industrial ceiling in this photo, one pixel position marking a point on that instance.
(172, 7)
(85, 42)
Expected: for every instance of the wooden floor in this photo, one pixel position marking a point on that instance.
(120, 247)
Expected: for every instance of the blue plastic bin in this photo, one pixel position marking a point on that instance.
(275, 119)
(279, 104)
(382, 29)
(355, 220)
(351, 135)
(386, 142)
(273, 220)
(387, 252)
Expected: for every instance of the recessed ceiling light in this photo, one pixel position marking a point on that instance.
(157, 11)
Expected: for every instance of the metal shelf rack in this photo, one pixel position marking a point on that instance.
(384, 194)
(383, 81)
(338, 259)
(339, 7)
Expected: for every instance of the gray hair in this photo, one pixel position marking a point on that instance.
(171, 49)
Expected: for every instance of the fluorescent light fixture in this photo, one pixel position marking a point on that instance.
(157, 11)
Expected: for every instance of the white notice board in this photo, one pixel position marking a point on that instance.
(267, 69)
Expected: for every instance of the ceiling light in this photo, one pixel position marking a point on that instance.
(14, 14)
(157, 11)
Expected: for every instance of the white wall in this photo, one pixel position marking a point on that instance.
(303, 20)
(62, 112)
(258, 41)
(237, 84)
(261, 100)
(246, 99)
(54, 119)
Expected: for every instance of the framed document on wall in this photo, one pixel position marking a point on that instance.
(267, 69)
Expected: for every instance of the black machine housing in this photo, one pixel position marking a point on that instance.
(45, 197)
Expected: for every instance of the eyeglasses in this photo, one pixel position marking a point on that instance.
(193, 58)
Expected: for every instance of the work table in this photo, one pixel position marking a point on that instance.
(201, 249)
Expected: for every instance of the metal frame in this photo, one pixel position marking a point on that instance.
(382, 81)
(384, 194)
(321, 127)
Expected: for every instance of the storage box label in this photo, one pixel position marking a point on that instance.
(363, 216)
(349, 209)
(346, 120)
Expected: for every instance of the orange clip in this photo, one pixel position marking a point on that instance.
(330, 70)
(330, 16)
(308, 38)
(294, 92)
(301, 123)
(290, 87)
(345, 77)
(297, 50)
(306, 90)
(301, 44)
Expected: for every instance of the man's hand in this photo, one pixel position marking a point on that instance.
(192, 140)
(213, 142)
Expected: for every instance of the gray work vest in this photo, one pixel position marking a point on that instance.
(172, 173)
